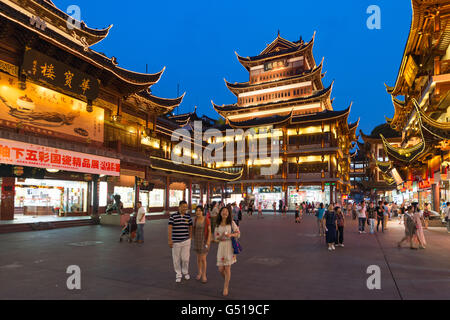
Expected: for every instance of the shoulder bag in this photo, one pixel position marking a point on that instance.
(237, 248)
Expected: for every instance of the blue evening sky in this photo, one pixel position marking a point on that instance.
(196, 41)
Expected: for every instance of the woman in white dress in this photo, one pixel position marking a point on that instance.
(225, 230)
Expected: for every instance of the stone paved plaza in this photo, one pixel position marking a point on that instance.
(281, 261)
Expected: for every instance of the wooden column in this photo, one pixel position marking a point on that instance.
(95, 196)
(167, 208)
(435, 196)
(286, 197)
(222, 193)
(136, 192)
(190, 195)
(208, 193)
(8, 193)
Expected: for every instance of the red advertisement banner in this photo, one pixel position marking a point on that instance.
(31, 155)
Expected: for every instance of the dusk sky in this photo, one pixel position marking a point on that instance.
(196, 41)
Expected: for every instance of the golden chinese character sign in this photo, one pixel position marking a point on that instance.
(32, 155)
(47, 112)
(40, 67)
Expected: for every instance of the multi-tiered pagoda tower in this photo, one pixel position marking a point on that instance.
(285, 92)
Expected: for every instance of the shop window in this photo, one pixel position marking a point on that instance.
(126, 196)
(103, 194)
(156, 198)
(51, 197)
(175, 197)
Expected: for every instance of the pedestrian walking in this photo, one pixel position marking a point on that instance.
(320, 225)
(214, 213)
(259, 210)
(447, 217)
(410, 228)
(140, 220)
(386, 215)
(340, 222)
(274, 206)
(418, 219)
(202, 242)
(349, 209)
(354, 213)
(380, 216)
(426, 215)
(235, 214)
(362, 217)
(371, 215)
(330, 228)
(250, 209)
(394, 209)
(297, 213)
(225, 230)
(401, 214)
(180, 235)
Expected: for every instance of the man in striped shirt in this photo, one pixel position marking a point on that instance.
(180, 235)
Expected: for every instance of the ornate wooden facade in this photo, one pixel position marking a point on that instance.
(422, 117)
(285, 95)
(130, 122)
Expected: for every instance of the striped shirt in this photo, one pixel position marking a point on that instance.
(180, 226)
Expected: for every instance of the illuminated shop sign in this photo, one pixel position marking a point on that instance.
(43, 68)
(31, 155)
(47, 112)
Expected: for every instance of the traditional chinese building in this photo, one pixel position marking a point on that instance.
(285, 100)
(421, 101)
(75, 128)
(374, 181)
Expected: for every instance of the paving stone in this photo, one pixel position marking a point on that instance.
(281, 260)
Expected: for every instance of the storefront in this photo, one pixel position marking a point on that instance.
(266, 196)
(44, 181)
(152, 199)
(50, 197)
(312, 194)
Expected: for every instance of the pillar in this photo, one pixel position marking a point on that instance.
(136, 192)
(208, 193)
(190, 195)
(331, 194)
(201, 195)
(222, 189)
(167, 208)
(95, 197)
(8, 193)
(286, 197)
(435, 195)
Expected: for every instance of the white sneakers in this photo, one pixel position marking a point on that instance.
(329, 249)
(187, 277)
(178, 280)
